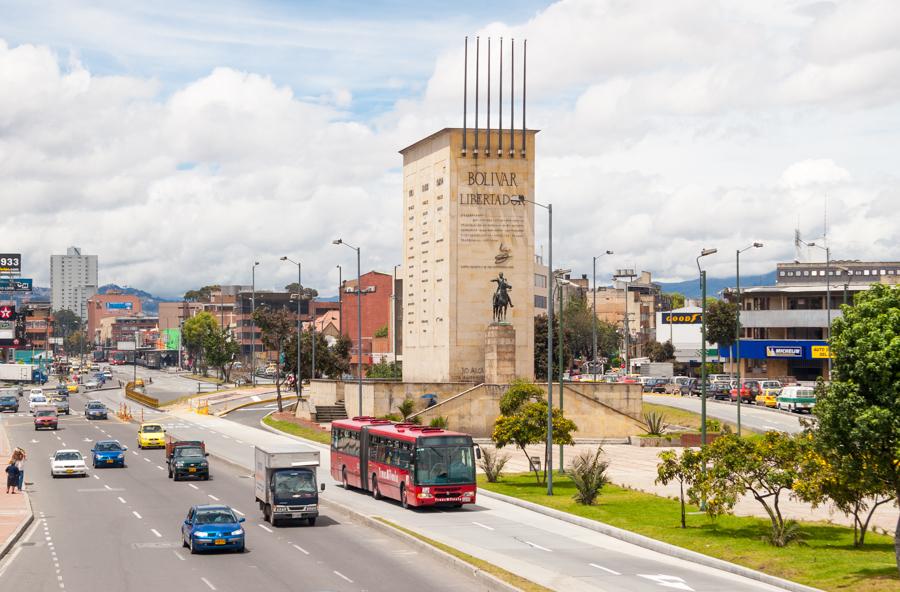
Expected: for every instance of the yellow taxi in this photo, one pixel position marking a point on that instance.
(768, 393)
(139, 382)
(151, 435)
(72, 387)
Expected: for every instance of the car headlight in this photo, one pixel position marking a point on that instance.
(120, 455)
(202, 534)
(312, 507)
(281, 508)
(179, 464)
(204, 464)
(237, 532)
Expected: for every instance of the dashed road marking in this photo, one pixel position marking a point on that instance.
(264, 527)
(342, 576)
(193, 486)
(238, 512)
(536, 546)
(301, 549)
(160, 468)
(136, 515)
(212, 497)
(96, 476)
(156, 532)
(122, 499)
(177, 554)
(485, 526)
(147, 459)
(606, 569)
(208, 583)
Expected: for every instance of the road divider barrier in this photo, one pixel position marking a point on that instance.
(135, 395)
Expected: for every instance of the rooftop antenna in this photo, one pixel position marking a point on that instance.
(487, 150)
(465, 92)
(512, 92)
(524, 71)
(477, 77)
(500, 117)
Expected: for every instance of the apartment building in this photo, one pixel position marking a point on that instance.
(73, 279)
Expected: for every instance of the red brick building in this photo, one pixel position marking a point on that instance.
(112, 304)
(377, 292)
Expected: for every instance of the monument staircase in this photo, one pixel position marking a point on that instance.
(329, 413)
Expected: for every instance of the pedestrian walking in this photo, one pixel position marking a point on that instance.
(12, 477)
(19, 457)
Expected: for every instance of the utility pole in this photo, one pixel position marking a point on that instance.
(594, 320)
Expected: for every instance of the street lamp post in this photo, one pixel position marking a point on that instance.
(340, 300)
(253, 324)
(358, 319)
(594, 320)
(299, 380)
(521, 199)
(628, 274)
(560, 282)
(737, 328)
(827, 295)
(703, 253)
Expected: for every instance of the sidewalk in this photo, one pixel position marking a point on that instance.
(15, 510)
(635, 467)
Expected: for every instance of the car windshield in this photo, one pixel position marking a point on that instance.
(771, 384)
(214, 517)
(188, 451)
(6, 400)
(152, 428)
(440, 465)
(293, 482)
(96, 406)
(108, 446)
(68, 456)
(38, 399)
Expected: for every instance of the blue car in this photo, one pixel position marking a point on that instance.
(108, 453)
(210, 527)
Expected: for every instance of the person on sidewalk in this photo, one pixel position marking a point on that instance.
(12, 477)
(19, 456)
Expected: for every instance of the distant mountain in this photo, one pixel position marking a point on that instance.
(149, 302)
(691, 288)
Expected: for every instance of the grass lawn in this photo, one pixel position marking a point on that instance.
(297, 429)
(681, 417)
(828, 560)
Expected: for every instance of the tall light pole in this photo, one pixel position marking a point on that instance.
(394, 315)
(594, 320)
(521, 200)
(299, 380)
(253, 323)
(560, 282)
(827, 294)
(703, 253)
(340, 300)
(737, 327)
(358, 319)
(627, 274)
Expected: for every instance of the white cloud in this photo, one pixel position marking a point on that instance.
(666, 127)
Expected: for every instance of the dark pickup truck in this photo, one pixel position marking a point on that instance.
(186, 458)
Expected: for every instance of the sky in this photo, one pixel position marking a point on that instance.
(181, 142)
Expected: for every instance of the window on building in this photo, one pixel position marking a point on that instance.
(540, 301)
(540, 281)
(865, 272)
(806, 272)
(781, 273)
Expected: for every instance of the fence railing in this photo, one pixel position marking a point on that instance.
(143, 399)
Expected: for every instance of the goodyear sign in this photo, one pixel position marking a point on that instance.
(682, 318)
(784, 351)
(820, 351)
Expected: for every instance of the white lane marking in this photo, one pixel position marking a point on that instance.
(160, 468)
(33, 441)
(667, 581)
(536, 546)
(108, 487)
(177, 554)
(264, 527)
(340, 575)
(212, 497)
(226, 437)
(208, 583)
(239, 441)
(156, 532)
(238, 512)
(134, 453)
(136, 515)
(11, 558)
(64, 444)
(192, 485)
(122, 499)
(146, 459)
(96, 477)
(301, 549)
(606, 569)
(485, 526)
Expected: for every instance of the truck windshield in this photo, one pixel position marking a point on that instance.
(188, 451)
(293, 482)
(445, 463)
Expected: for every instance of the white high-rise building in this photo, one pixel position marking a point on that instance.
(73, 279)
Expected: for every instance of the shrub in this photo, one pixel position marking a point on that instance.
(656, 423)
(788, 533)
(391, 416)
(439, 422)
(588, 473)
(713, 425)
(492, 463)
(381, 331)
(406, 407)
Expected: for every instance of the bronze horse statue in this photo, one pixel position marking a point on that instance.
(501, 298)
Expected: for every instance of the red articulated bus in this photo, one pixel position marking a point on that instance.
(417, 465)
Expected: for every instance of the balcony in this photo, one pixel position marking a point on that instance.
(770, 319)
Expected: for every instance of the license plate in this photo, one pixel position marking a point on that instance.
(297, 515)
(192, 470)
(220, 541)
(109, 460)
(69, 471)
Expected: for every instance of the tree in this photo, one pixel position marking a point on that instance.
(202, 294)
(721, 322)
(386, 369)
(686, 470)
(540, 347)
(676, 299)
(277, 326)
(660, 352)
(331, 360)
(65, 322)
(220, 350)
(381, 331)
(765, 468)
(859, 414)
(523, 421)
(308, 293)
(196, 334)
(579, 320)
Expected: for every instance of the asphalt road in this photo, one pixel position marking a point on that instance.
(119, 530)
(757, 418)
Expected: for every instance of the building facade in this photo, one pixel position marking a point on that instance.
(112, 304)
(73, 279)
(644, 300)
(463, 225)
(376, 298)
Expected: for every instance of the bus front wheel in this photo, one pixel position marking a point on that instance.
(344, 481)
(403, 499)
(376, 493)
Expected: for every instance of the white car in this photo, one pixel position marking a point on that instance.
(35, 400)
(36, 391)
(67, 463)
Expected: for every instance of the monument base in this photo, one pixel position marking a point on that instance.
(500, 353)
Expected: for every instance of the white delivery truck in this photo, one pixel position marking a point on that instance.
(285, 482)
(16, 372)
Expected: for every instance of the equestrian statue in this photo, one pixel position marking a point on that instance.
(501, 298)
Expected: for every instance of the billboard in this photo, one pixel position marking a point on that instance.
(119, 305)
(820, 351)
(784, 351)
(11, 262)
(125, 345)
(682, 318)
(15, 284)
(172, 338)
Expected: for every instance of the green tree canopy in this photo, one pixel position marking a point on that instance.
(295, 288)
(579, 321)
(221, 351)
(721, 322)
(196, 334)
(201, 294)
(331, 361)
(859, 414)
(277, 326)
(540, 348)
(676, 299)
(386, 369)
(660, 352)
(65, 322)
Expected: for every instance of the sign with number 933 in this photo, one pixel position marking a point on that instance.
(11, 262)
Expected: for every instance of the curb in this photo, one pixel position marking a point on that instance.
(284, 399)
(269, 428)
(13, 538)
(653, 544)
(488, 582)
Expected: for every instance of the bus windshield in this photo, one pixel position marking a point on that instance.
(449, 461)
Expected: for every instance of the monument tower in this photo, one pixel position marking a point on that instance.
(464, 226)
